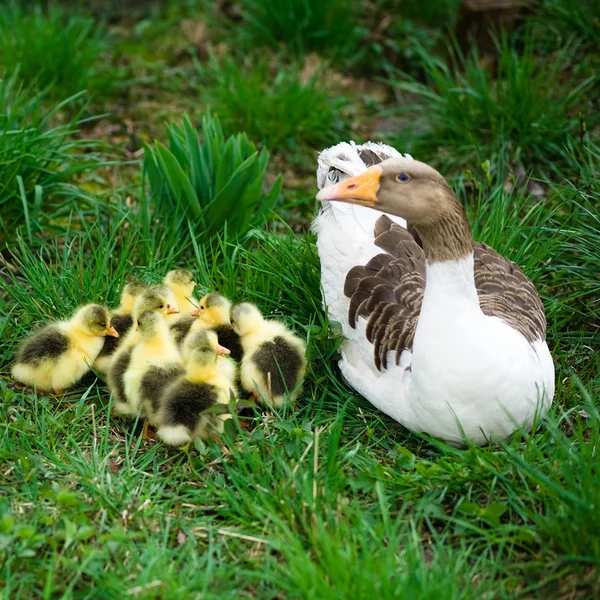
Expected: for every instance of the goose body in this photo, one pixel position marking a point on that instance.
(442, 334)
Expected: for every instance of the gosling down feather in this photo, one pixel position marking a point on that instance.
(157, 298)
(443, 334)
(154, 363)
(60, 354)
(121, 320)
(274, 361)
(182, 412)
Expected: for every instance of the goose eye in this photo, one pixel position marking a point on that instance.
(402, 178)
(201, 307)
(102, 324)
(162, 306)
(168, 306)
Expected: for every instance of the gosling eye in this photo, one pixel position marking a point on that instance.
(402, 178)
(162, 306)
(168, 306)
(201, 307)
(102, 324)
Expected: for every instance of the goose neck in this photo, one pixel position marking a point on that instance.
(446, 236)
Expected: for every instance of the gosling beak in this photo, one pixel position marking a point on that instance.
(222, 349)
(196, 312)
(112, 332)
(172, 310)
(361, 189)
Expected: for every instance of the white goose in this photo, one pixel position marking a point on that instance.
(443, 334)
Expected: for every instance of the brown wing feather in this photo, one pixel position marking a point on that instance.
(388, 292)
(506, 292)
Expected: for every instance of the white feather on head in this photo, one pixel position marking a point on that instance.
(344, 160)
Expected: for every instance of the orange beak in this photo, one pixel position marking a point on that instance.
(222, 349)
(112, 332)
(196, 312)
(361, 189)
(172, 310)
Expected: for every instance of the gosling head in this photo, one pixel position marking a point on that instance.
(158, 297)
(130, 292)
(150, 324)
(245, 318)
(94, 319)
(213, 310)
(202, 348)
(400, 186)
(181, 279)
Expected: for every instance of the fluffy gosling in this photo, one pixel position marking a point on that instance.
(274, 360)
(181, 414)
(60, 354)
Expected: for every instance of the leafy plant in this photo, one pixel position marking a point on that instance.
(40, 157)
(54, 47)
(303, 25)
(276, 105)
(217, 184)
(518, 112)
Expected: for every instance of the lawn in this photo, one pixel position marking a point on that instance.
(103, 179)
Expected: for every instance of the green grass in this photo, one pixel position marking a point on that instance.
(330, 499)
(57, 48)
(274, 103)
(304, 493)
(518, 112)
(41, 157)
(216, 183)
(581, 19)
(302, 25)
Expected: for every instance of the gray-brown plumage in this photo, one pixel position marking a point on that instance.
(388, 292)
(116, 373)
(181, 328)
(48, 343)
(181, 414)
(59, 355)
(155, 381)
(122, 323)
(231, 340)
(185, 403)
(274, 360)
(282, 361)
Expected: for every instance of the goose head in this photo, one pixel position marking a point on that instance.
(416, 192)
(402, 187)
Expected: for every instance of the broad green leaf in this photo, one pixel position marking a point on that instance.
(178, 182)
(219, 180)
(177, 146)
(199, 177)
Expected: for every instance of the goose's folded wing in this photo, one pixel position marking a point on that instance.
(388, 291)
(506, 292)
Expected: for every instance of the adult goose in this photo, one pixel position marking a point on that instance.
(443, 334)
